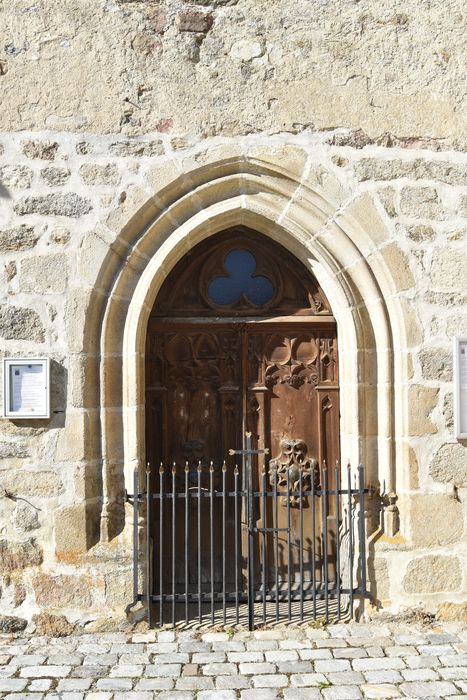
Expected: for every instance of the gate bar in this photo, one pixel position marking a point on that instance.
(325, 541)
(187, 471)
(361, 499)
(313, 545)
(200, 614)
(248, 470)
(301, 540)
(237, 533)
(276, 543)
(174, 469)
(263, 485)
(349, 488)
(148, 542)
(289, 554)
(135, 532)
(211, 536)
(161, 543)
(224, 613)
(338, 542)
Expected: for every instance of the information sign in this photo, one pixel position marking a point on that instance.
(26, 390)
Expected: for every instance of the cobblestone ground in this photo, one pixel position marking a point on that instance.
(342, 661)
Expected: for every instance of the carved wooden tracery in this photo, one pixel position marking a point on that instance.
(186, 294)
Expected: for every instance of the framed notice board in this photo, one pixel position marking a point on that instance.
(26, 388)
(460, 387)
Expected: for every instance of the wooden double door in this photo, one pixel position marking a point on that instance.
(210, 381)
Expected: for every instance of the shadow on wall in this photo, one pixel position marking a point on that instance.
(4, 192)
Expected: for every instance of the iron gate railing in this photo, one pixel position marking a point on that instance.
(237, 571)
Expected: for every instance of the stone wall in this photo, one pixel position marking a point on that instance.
(106, 106)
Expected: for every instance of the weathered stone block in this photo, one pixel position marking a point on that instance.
(55, 176)
(18, 323)
(82, 148)
(449, 465)
(137, 148)
(25, 517)
(246, 49)
(10, 624)
(70, 528)
(445, 299)
(419, 169)
(452, 612)
(433, 574)
(18, 238)
(462, 206)
(60, 235)
(16, 176)
(62, 591)
(97, 174)
(449, 269)
(44, 274)
(58, 204)
(445, 511)
(422, 401)
(421, 202)
(387, 196)
(414, 480)
(421, 234)
(52, 625)
(157, 19)
(119, 587)
(399, 267)
(19, 555)
(44, 150)
(10, 270)
(15, 450)
(448, 411)
(21, 482)
(194, 21)
(436, 364)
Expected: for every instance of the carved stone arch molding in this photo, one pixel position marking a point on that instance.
(339, 239)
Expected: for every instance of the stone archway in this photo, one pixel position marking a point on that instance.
(342, 240)
(341, 245)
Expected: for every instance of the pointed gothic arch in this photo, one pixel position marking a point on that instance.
(340, 240)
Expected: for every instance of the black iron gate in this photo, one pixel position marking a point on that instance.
(216, 548)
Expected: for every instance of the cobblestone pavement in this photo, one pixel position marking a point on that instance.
(342, 661)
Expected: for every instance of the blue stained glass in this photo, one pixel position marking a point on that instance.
(241, 266)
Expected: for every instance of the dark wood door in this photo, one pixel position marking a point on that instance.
(241, 337)
(207, 384)
(293, 411)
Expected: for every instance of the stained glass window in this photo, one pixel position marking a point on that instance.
(241, 280)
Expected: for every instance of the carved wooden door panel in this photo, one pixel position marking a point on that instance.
(194, 416)
(294, 412)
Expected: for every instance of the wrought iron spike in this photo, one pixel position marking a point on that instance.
(187, 466)
(148, 467)
(161, 468)
(224, 466)
(348, 465)
(199, 467)
(174, 468)
(263, 469)
(236, 470)
(211, 466)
